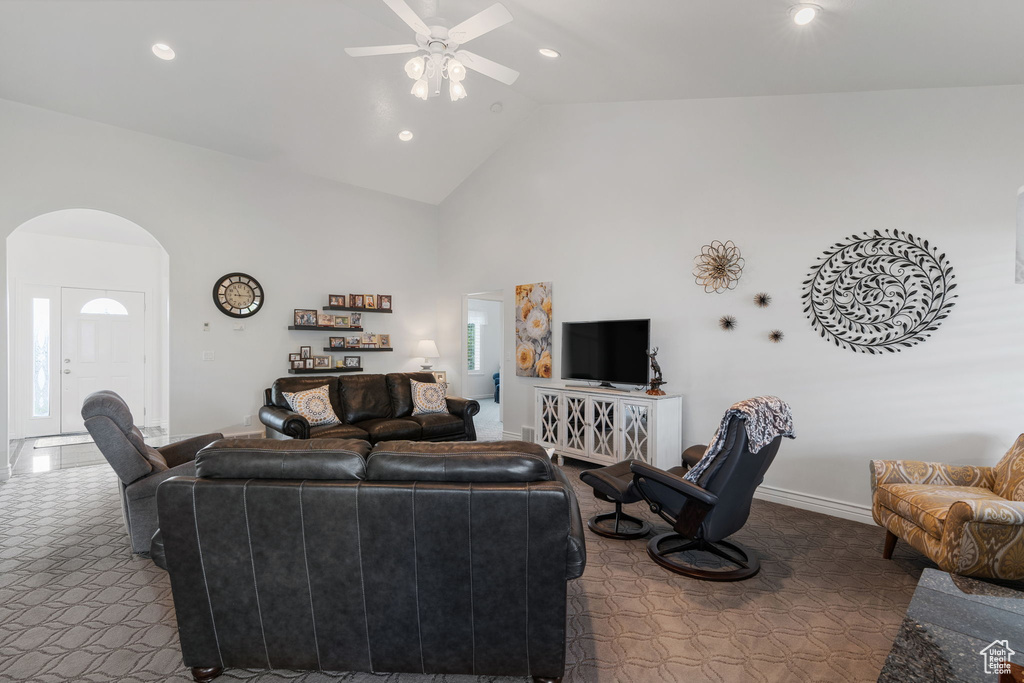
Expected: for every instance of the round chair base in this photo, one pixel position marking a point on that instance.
(745, 562)
(618, 525)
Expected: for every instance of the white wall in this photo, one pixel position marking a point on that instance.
(89, 264)
(611, 202)
(301, 237)
(481, 384)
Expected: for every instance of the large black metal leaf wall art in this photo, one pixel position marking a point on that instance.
(878, 292)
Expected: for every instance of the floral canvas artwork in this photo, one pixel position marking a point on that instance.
(533, 330)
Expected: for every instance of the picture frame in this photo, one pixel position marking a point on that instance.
(336, 300)
(353, 361)
(369, 340)
(356, 319)
(305, 352)
(294, 357)
(384, 340)
(370, 301)
(342, 321)
(298, 364)
(339, 363)
(305, 317)
(324, 320)
(440, 376)
(384, 302)
(322, 362)
(355, 300)
(353, 342)
(308, 363)
(336, 342)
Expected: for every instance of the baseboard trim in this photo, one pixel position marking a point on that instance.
(826, 506)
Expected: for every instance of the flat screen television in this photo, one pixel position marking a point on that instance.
(606, 351)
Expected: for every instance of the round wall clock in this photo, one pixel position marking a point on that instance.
(238, 295)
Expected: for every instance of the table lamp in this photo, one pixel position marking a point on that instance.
(426, 350)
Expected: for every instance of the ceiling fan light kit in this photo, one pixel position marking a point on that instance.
(443, 60)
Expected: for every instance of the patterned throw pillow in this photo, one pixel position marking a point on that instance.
(314, 405)
(429, 397)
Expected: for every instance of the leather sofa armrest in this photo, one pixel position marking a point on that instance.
(146, 487)
(933, 473)
(687, 488)
(463, 407)
(693, 454)
(285, 421)
(183, 451)
(576, 557)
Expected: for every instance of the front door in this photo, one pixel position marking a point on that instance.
(102, 347)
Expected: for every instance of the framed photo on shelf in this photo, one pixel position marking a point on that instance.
(355, 300)
(305, 352)
(353, 361)
(324, 320)
(342, 321)
(353, 342)
(307, 364)
(294, 357)
(440, 376)
(298, 364)
(339, 363)
(337, 342)
(384, 340)
(305, 317)
(336, 300)
(370, 300)
(369, 340)
(384, 302)
(356, 319)
(322, 361)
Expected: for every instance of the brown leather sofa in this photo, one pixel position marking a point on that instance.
(371, 407)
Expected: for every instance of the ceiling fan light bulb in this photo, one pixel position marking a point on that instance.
(456, 70)
(421, 89)
(414, 68)
(804, 13)
(456, 90)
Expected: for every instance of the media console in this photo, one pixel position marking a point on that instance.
(607, 425)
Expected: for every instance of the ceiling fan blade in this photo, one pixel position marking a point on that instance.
(406, 14)
(380, 50)
(491, 18)
(488, 68)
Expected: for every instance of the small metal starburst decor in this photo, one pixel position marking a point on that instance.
(727, 323)
(719, 267)
(762, 299)
(775, 336)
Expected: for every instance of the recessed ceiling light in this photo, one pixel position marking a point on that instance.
(548, 52)
(804, 13)
(405, 135)
(163, 51)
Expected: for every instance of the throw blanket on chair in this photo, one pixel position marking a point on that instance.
(766, 418)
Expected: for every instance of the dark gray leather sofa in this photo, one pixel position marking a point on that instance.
(371, 407)
(413, 557)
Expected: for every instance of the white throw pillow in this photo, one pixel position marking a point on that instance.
(429, 397)
(314, 405)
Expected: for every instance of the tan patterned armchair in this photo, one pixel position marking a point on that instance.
(968, 520)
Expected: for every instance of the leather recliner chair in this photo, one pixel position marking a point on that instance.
(415, 557)
(140, 468)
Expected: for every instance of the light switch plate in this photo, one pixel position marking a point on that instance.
(207, 355)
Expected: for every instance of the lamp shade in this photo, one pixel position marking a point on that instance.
(426, 349)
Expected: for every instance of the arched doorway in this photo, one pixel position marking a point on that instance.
(88, 296)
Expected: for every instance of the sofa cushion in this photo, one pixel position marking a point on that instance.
(314, 405)
(1010, 473)
(275, 459)
(436, 425)
(293, 384)
(927, 505)
(387, 429)
(493, 461)
(364, 397)
(429, 397)
(338, 431)
(400, 391)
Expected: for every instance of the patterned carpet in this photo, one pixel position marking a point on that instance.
(75, 605)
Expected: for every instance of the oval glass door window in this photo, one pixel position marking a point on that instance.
(104, 306)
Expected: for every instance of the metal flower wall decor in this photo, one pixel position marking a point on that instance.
(879, 292)
(719, 267)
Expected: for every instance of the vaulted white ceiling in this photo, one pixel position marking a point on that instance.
(268, 80)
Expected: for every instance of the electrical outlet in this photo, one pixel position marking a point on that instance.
(207, 355)
(247, 421)
(206, 327)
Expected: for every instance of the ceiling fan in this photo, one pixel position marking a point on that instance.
(443, 58)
